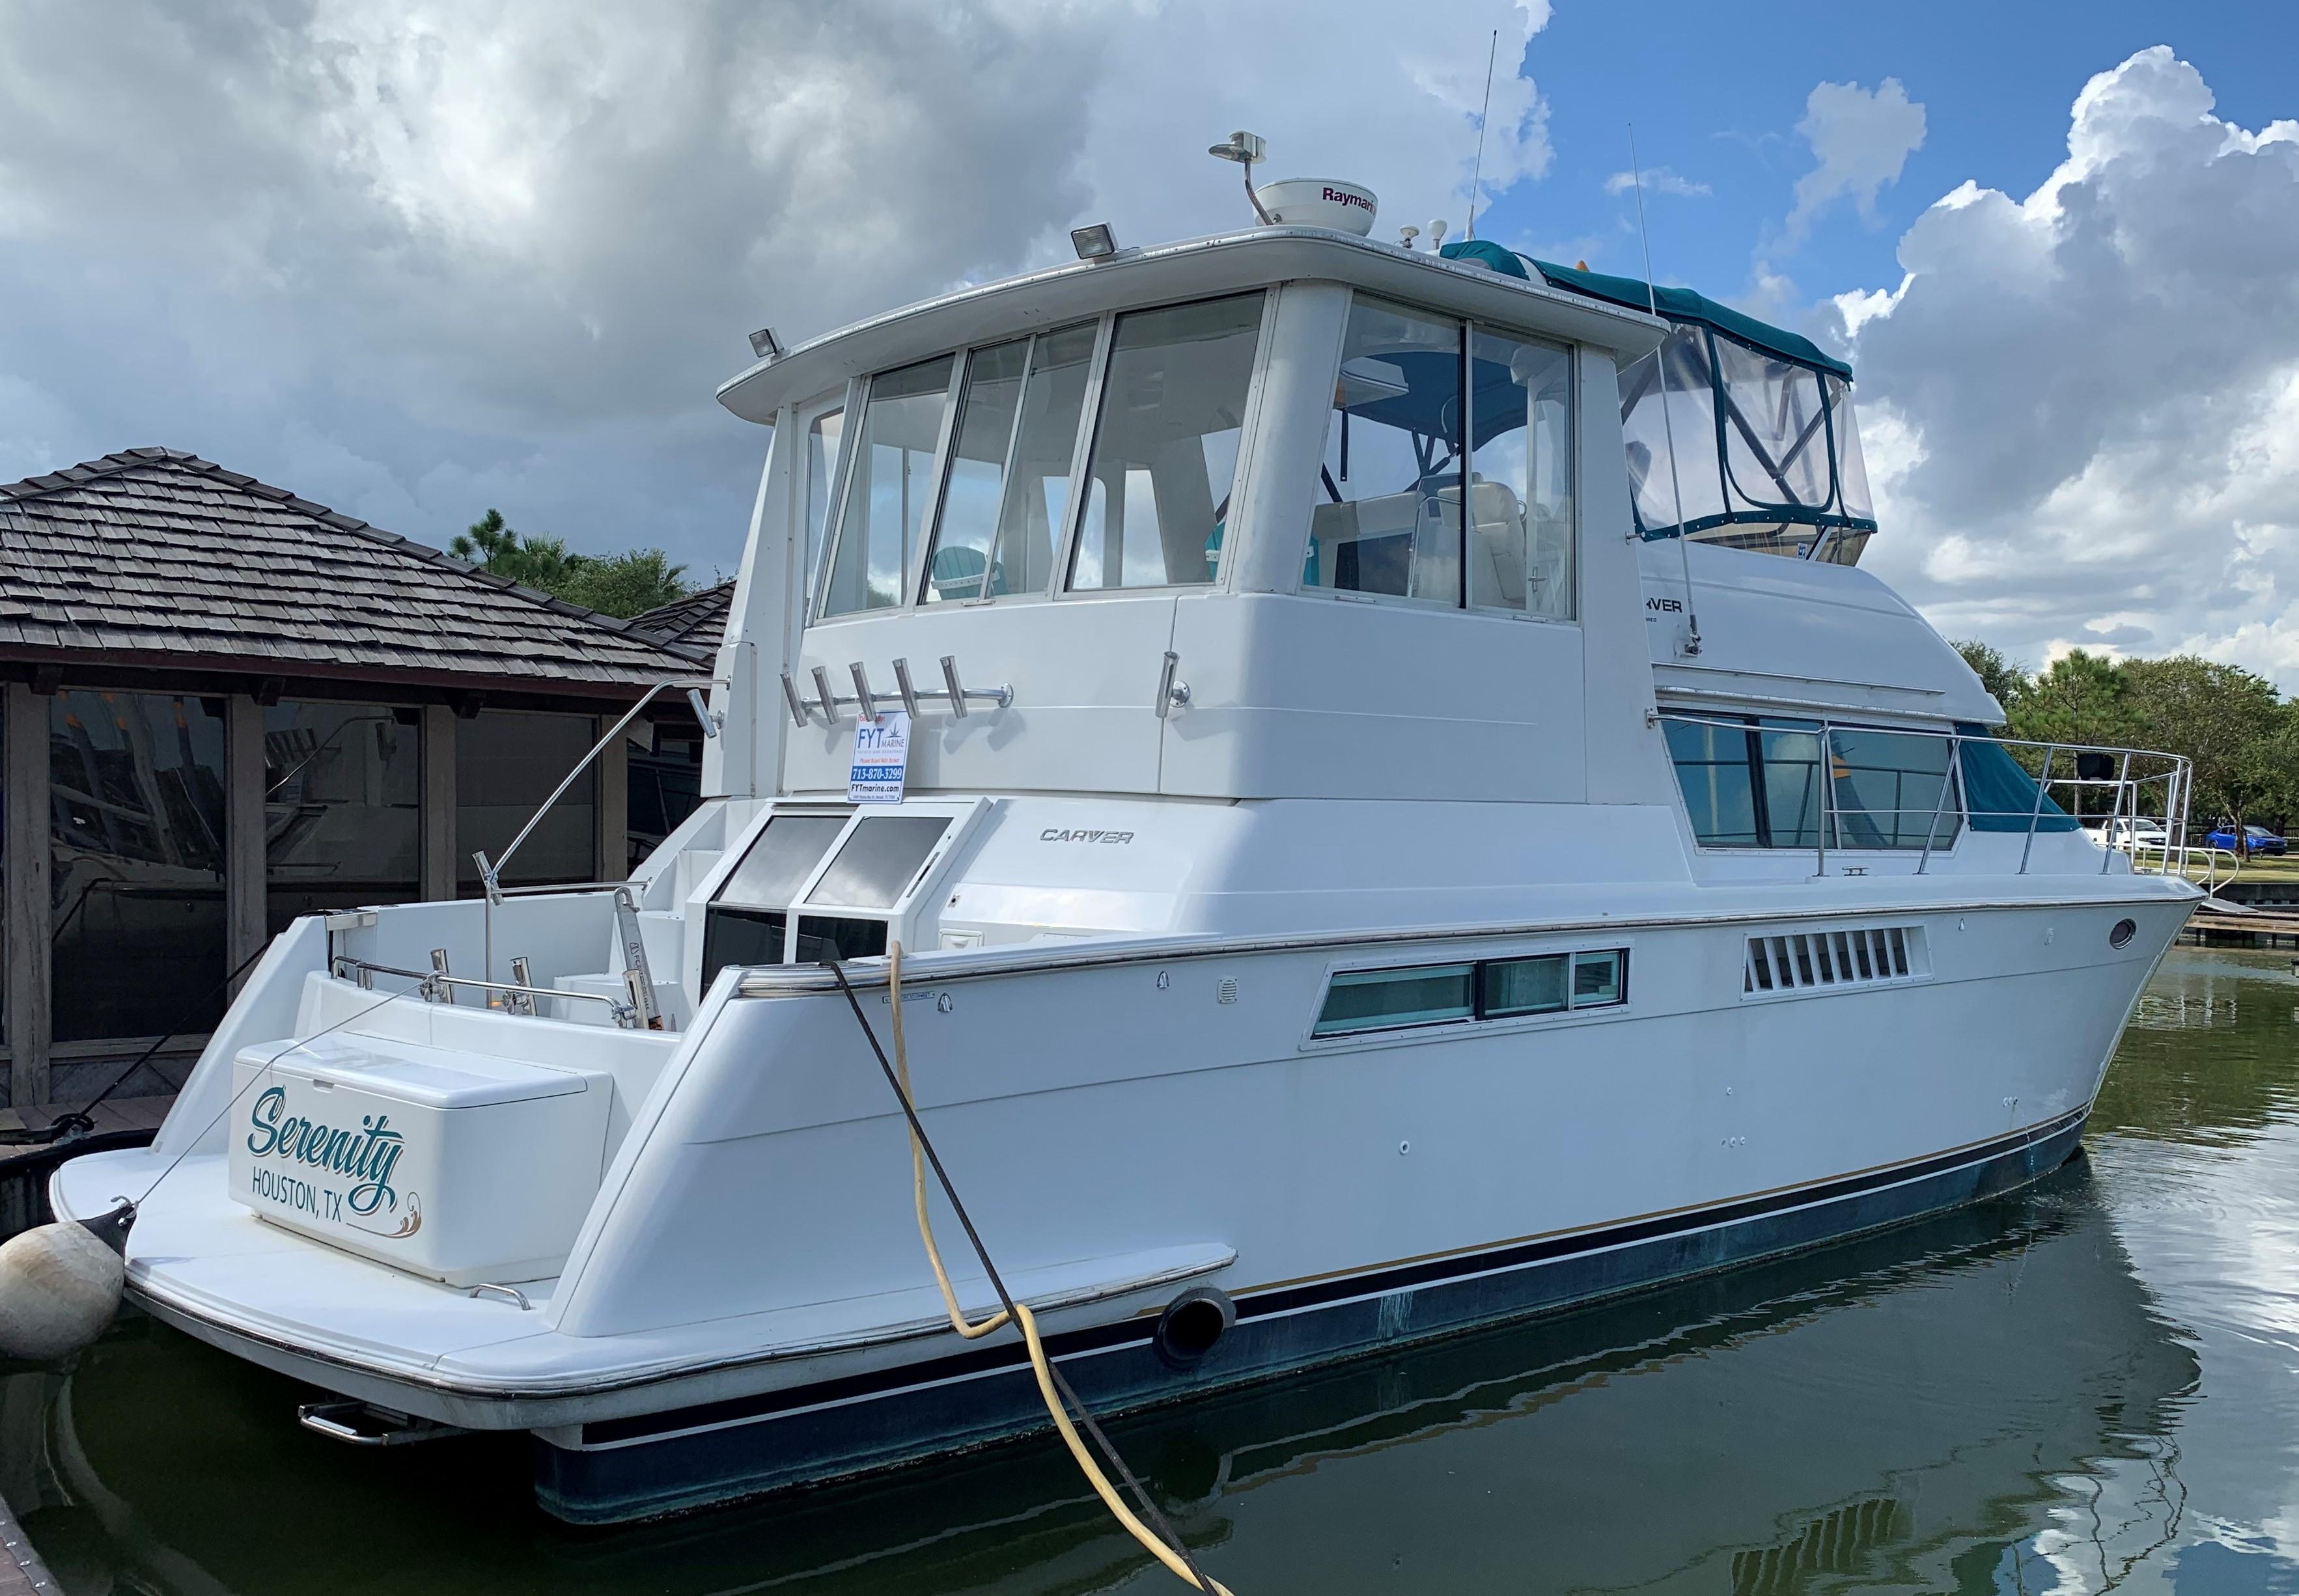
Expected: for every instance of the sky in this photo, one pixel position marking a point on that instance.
(413, 261)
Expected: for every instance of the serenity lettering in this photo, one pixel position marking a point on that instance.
(367, 1154)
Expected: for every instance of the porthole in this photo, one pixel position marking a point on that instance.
(2121, 936)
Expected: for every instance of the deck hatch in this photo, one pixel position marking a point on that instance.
(1834, 958)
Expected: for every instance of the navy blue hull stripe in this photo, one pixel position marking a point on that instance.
(1292, 1299)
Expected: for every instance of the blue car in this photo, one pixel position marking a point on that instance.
(2257, 839)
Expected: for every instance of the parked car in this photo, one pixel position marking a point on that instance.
(2256, 839)
(2128, 834)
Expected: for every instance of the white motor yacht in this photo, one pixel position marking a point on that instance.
(1398, 806)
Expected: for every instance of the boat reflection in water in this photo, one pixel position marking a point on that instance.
(1982, 1401)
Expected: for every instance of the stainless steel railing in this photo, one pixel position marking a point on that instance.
(2157, 794)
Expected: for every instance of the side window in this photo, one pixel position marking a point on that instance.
(1165, 443)
(1548, 983)
(1007, 497)
(1389, 515)
(1890, 791)
(1519, 544)
(822, 436)
(888, 492)
(1766, 783)
(959, 565)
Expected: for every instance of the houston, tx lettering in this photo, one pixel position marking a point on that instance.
(367, 1154)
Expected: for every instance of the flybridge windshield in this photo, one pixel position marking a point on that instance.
(1755, 420)
(1766, 452)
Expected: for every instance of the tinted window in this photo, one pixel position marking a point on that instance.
(879, 861)
(1511, 986)
(1597, 979)
(1890, 789)
(821, 936)
(1378, 999)
(1713, 768)
(778, 862)
(740, 937)
(1165, 447)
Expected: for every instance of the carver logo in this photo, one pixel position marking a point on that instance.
(1064, 834)
(367, 1155)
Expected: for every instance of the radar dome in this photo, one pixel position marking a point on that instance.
(1318, 203)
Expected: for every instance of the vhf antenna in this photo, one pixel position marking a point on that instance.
(1668, 424)
(1477, 172)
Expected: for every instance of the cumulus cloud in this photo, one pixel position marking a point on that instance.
(2082, 406)
(1661, 180)
(1862, 139)
(414, 259)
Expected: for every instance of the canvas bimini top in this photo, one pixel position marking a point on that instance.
(1759, 421)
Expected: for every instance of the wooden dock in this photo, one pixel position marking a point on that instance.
(2263, 927)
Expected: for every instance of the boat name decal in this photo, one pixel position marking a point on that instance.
(1064, 834)
(369, 1154)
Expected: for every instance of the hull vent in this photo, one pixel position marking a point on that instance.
(1832, 960)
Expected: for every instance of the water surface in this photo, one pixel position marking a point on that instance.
(2089, 1385)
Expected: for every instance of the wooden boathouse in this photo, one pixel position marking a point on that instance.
(225, 705)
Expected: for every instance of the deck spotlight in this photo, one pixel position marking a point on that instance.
(1245, 149)
(1096, 242)
(765, 345)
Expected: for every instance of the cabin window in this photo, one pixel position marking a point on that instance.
(1008, 493)
(987, 406)
(822, 436)
(1521, 477)
(1165, 443)
(1597, 978)
(1765, 783)
(1548, 983)
(879, 861)
(1507, 987)
(746, 923)
(1388, 999)
(889, 488)
(779, 861)
(1389, 518)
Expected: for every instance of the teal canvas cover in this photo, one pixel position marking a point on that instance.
(1998, 792)
(1682, 304)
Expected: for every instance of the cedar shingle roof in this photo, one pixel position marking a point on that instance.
(152, 555)
(698, 621)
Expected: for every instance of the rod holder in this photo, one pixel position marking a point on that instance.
(953, 693)
(791, 696)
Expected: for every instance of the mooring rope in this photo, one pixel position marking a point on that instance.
(1161, 1542)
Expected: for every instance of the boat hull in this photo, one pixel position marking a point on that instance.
(617, 1470)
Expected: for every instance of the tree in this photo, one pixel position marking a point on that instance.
(2230, 724)
(537, 562)
(625, 584)
(622, 585)
(1998, 672)
(2082, 699)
